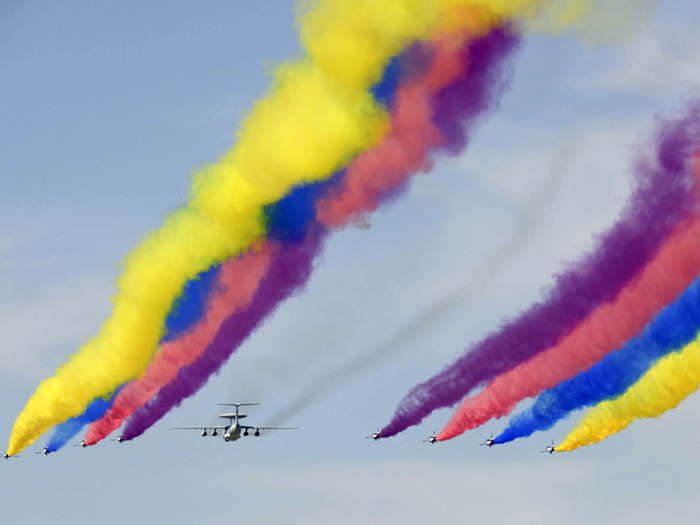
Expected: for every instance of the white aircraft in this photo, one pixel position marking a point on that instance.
(489, 442)
(432, 438)
(234, 430)
(373, 435)
(550, 449)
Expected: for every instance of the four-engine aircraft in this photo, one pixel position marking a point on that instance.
(234, 430)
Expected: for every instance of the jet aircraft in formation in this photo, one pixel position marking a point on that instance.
(489, 442)
(230, 432)
(549, 449)
(432, 438)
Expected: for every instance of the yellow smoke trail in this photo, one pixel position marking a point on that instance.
(317, 115)
(662, 388)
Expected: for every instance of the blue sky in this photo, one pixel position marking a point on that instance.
(109, 107)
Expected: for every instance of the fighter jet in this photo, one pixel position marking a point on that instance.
(432, 439)
(234, 430)
(550, 449)
(489, 442)
(45, 451)
(373, 435)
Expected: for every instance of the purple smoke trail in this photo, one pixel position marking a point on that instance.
(458, 106)
(289, 271)
(664, 195)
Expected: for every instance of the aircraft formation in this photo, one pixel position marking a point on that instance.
(233, 430)
(256, 223)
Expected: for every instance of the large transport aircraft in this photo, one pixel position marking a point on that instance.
(234, 430)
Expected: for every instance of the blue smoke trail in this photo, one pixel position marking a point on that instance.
(64, 432)
(673, 328)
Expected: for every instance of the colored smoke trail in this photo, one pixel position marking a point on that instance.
(663, 197)
(435, 112)
(401, 145)
(674, 327)
(224, 215)
(610, 325)
(288, 272)
(487, 77)
(408, 145)
(237, 282)
(532, 215)
(662, 388)
(286, 221)
(64, 432)
(191, 305)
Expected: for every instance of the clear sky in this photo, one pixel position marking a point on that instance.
(106, 109)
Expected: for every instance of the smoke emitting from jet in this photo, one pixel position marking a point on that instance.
(420, 75)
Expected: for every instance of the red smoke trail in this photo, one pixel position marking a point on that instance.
(235, 288)
(405, 150)
(665, 277)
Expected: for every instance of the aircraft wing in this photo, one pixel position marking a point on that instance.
(199, 428)
(246, 427)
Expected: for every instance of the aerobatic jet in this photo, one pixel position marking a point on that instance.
(234, 430)
(489, 442)
(550, 449)
(373, 435)
(432, 439)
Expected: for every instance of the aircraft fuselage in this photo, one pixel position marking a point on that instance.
(233, 432)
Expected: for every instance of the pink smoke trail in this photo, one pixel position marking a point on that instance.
(609, 326)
